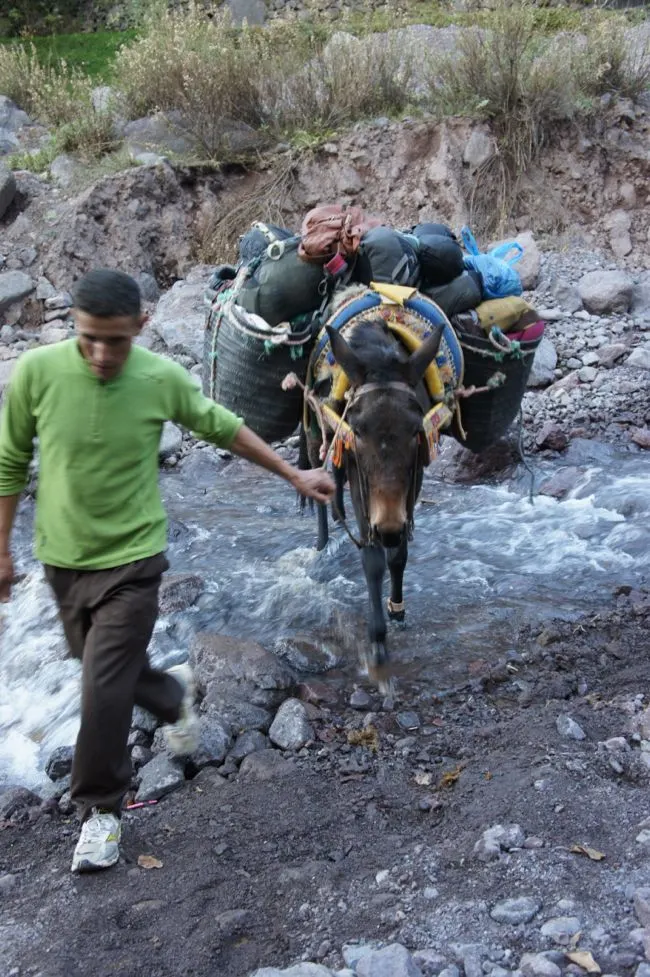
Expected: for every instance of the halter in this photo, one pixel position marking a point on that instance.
(344, 439)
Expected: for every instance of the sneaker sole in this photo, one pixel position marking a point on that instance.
(84, 865)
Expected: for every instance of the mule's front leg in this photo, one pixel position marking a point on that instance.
(338, 503)
(374, 567)
(323, 529)
(397, 558)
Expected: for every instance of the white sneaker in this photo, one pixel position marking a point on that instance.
(182, 737)
(99, 842)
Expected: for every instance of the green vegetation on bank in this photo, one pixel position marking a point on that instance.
(290, 82)
(93, 53)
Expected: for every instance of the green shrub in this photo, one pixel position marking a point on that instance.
(611, 63)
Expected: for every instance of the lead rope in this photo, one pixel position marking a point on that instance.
(527, 465)
(290, 381)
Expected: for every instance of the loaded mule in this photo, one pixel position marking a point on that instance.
(380, 387)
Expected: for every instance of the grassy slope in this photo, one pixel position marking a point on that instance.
(91, 53)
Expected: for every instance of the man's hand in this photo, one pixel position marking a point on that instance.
(6, 577)
(315, 484)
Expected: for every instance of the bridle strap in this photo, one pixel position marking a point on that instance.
(367, 388)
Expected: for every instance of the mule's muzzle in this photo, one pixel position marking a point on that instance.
(389, 538)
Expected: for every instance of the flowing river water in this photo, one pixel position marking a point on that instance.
(483, 562)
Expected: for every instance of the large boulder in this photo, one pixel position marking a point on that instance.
(14, 286)
(7, 189)
(544, 363)
(179, 318)
(159, 131)
(11, 117)
(604, 292)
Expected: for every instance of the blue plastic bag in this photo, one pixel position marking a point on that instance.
(498, 278)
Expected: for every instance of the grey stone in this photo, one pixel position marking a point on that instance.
(479, 148)
(391, 961)
(643, 970)
(265, 765)
(529, 265)
(498, 838)
(569, 728)
(408, 720)
(102, 97)
(55, 791)
(251, 11)
(239, 713)
(54, 332)
(149, 159)
(6, 369)
(44, 290)
(568, 297)
(430, 962)
(603, 292)
(641, 900)
(159, 777)
(641, 299)
(544, 363)
(7, 189)
(298, 970)
(144, 720)
(59, 762)
(11, 117)
(171, 440)
(608, 355)
(638, 358)
(472, 962)
(164, 131)
(519, 910)
(61, 300)
(7, 883)
(291, 729)
(590, 358)
(451, 971)
(148, 286)
(353, 952)
(360, 699)
(249, 742)
(218, 657)
(65, 170)
(14, 286)
(7, 335)
(306, 655)
(561, 929)
(8, 142)
(587, 374)
(15, 802)
(141, 756)
(179, 318)
(178, 591)
(538, 965)
(215, 741)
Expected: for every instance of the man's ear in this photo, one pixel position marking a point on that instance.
(142, 321)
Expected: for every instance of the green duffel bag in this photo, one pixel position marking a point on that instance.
(282, 286)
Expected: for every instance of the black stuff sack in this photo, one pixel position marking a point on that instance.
(459, 295)
(256, 240)
(280, 289)
(388, 257)
(430, 228)
(441, 259)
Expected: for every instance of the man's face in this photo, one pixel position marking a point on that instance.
(105, 343)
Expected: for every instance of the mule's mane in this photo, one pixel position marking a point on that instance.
(383, 357)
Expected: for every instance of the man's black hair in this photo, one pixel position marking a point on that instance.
(106, 293)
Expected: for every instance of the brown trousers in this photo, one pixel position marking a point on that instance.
(108, 618)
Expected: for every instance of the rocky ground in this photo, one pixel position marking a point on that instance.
(496, 824)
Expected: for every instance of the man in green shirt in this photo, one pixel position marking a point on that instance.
(97, 404)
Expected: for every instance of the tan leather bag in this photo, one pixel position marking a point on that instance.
(333, 229)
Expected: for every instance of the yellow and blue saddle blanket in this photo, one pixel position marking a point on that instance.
(411, 317)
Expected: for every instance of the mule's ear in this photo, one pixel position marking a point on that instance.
(345, 356)
(422, 357)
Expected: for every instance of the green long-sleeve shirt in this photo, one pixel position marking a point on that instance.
(98, 503)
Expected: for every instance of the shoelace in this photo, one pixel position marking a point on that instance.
(98, 825)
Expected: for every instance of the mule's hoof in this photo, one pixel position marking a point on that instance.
(377, 666)
(396, 612)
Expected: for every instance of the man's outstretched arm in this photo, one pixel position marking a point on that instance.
(17, 432)
(316, 484)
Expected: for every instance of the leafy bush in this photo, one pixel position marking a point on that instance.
(611, 63)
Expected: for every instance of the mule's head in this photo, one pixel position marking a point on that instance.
(385, 414)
